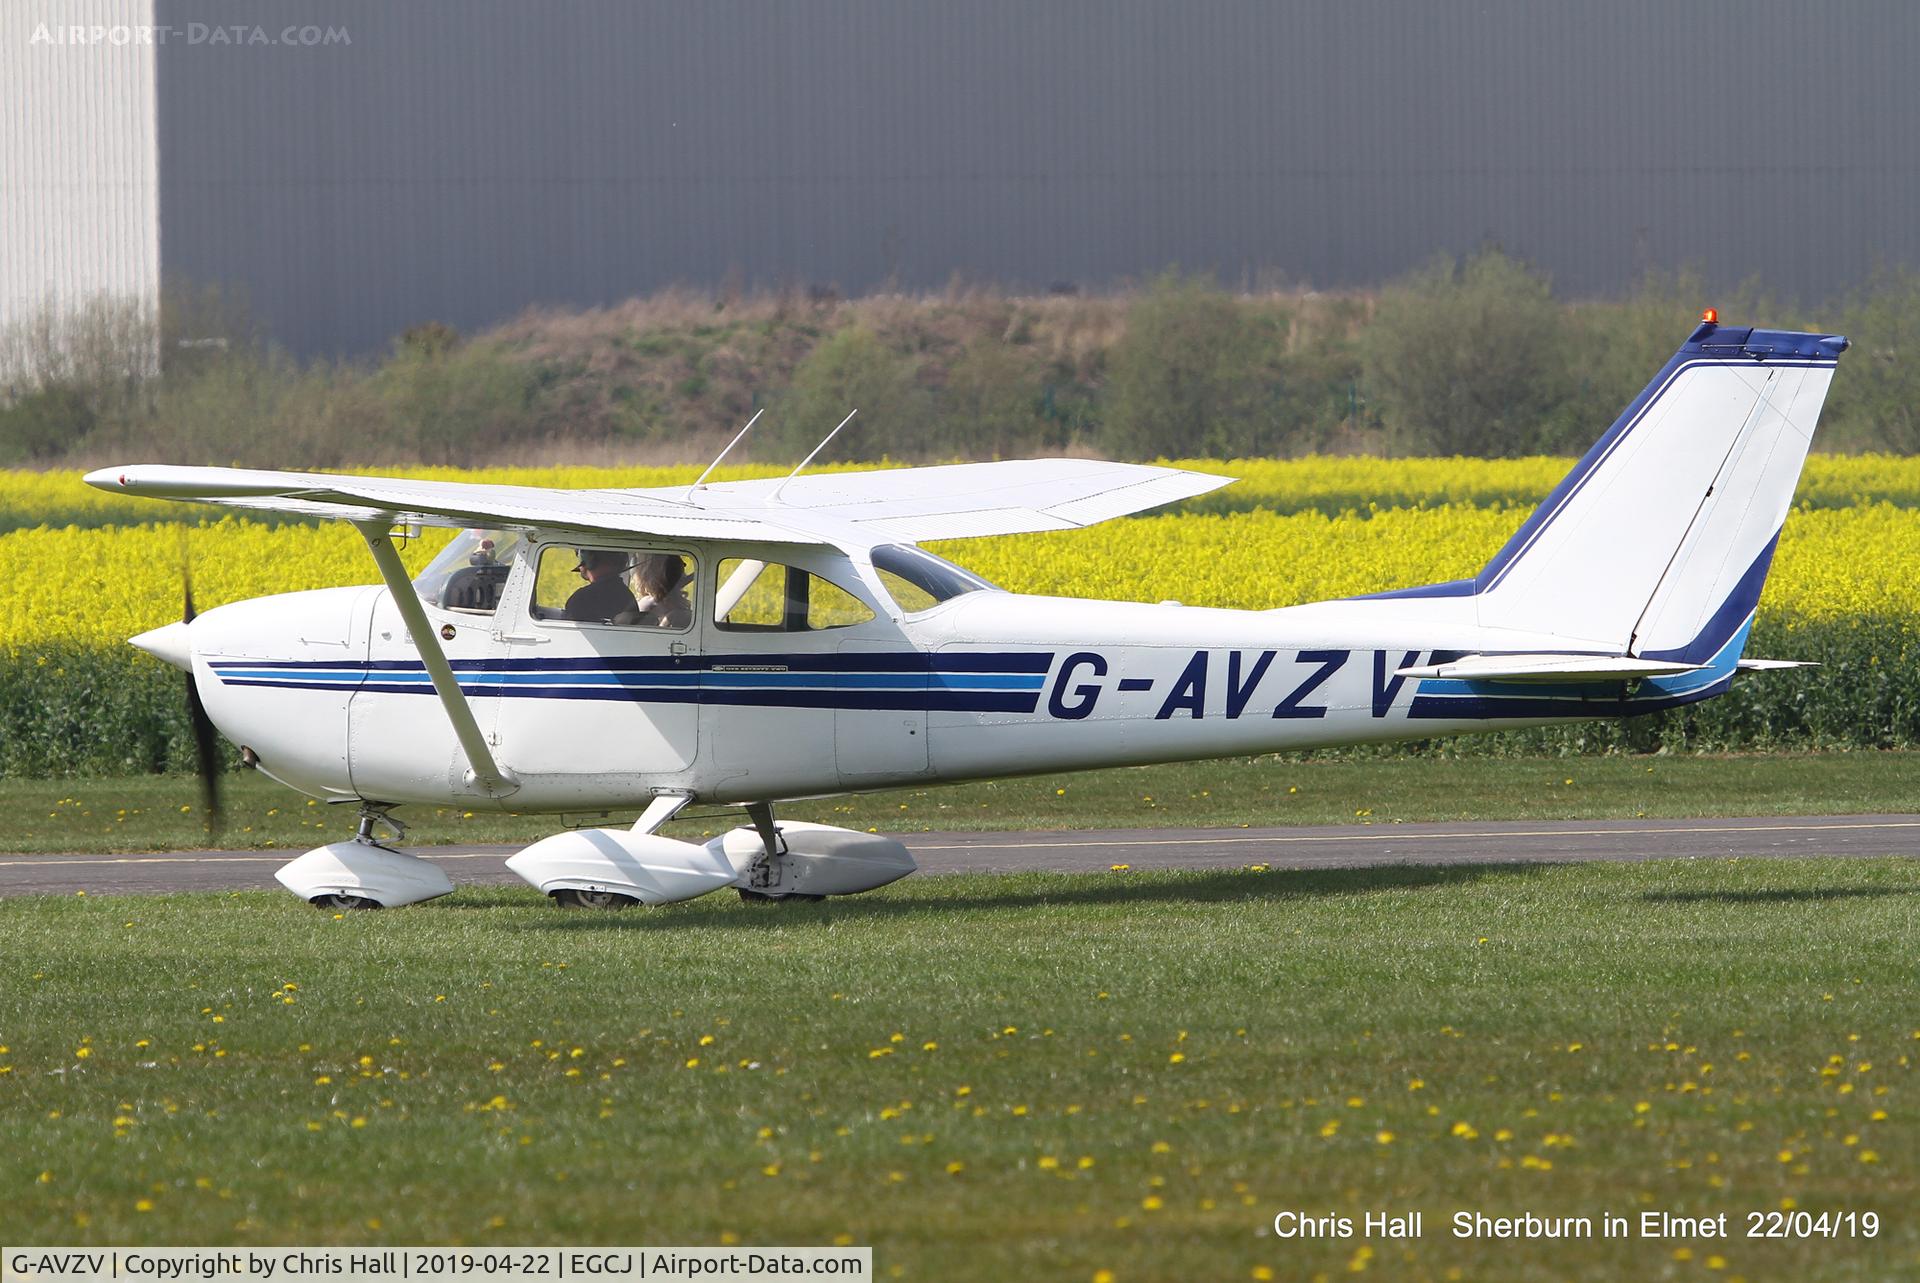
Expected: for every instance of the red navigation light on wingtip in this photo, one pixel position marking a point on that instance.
(1711, 316)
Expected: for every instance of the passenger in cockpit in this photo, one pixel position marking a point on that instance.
(661, 580)
(606, 595)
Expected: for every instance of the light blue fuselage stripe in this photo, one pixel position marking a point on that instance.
(720, 680)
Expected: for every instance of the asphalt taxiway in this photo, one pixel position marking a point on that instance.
(1070, 851)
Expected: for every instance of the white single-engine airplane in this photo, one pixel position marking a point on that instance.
(745, 643)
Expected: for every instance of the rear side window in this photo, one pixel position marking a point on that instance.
(917, 579)
(767, 597)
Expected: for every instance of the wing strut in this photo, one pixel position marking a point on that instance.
(483, 770)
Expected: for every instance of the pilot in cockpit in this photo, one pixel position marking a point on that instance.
(606, 597)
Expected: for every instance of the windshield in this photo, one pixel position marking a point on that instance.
(918, 579)
(470, 572)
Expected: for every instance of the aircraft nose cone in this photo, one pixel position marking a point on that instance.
(173, 643)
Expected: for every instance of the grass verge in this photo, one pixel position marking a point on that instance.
(989, 1077)
(154, 813)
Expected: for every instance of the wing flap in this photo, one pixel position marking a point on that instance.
(1549, 668)
(959, 500)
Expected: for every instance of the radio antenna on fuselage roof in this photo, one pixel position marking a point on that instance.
(702, 479)
(816, 450)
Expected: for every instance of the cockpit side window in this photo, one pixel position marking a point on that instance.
(470, 573)
(629, 587)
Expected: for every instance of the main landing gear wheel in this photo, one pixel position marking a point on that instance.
(575, 898)
(761, 897)
(338, 903)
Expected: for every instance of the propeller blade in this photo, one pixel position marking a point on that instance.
(206, 749)
(206, 742)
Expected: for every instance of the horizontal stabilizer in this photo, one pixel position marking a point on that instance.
(1770, 665)
(1549, 668)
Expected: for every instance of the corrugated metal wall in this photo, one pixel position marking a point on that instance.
(459, 159)
(79, 191)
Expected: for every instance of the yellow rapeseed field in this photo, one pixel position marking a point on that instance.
(99, 586)
(1326, 483)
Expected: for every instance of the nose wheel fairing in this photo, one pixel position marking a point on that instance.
(358, 870)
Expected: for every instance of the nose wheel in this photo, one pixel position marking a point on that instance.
(341, 903)
(575, 898)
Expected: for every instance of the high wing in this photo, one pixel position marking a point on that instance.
(961, 500)
(397, 501)
(954, 501)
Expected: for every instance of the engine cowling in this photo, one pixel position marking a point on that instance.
(819, 860)
(642, 866)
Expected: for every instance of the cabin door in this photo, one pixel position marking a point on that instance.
(600, 677)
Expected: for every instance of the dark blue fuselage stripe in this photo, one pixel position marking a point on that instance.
(1495, 707)
(1018, 661)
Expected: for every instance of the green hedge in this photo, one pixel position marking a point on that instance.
(83, 711)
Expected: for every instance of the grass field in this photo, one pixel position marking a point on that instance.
(153, 813)
(1041, 1076)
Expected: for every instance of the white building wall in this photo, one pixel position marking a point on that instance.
(79, 165)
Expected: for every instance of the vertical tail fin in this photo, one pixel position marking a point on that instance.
(1656, 544)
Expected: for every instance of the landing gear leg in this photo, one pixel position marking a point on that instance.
(379, 813)
(373, 816)
(768, 869)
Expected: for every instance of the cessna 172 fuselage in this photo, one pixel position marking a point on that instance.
(812, 648)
